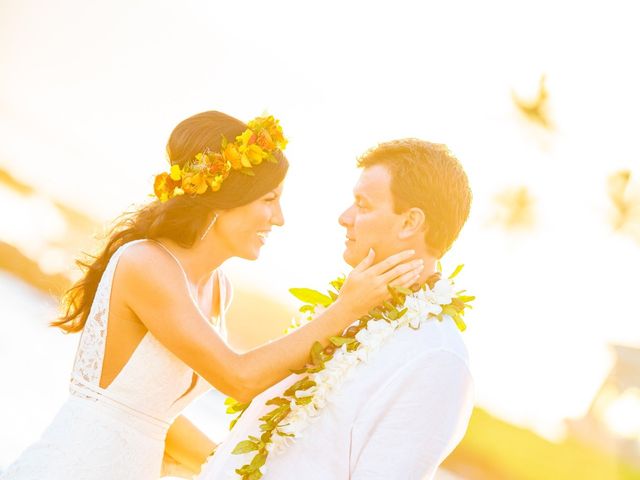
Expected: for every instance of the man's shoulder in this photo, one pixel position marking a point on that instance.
(411, 358)
(434, 354)
(432, 338)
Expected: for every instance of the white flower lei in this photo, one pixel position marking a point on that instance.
(319, 384)
(421, 306)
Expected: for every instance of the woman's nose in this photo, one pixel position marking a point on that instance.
(278, 218)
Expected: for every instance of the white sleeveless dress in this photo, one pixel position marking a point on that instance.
(116, 432)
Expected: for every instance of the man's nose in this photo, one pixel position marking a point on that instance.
(346, 218)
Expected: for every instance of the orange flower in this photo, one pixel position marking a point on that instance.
(278, 137)
(194, 184)
(265, 140)
(232, 155)
(272, 126)
(164, 186)
(218, 165)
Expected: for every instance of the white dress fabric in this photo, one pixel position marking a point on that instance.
(396, 417)
(116, 432)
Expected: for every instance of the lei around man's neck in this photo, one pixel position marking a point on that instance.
(435, 299)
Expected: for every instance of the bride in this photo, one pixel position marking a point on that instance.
(151, 309)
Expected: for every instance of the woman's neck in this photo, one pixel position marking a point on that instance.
(200, 260)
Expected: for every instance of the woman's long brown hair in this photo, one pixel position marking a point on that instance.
(181, 218)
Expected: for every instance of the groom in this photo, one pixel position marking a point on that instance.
(400, 414)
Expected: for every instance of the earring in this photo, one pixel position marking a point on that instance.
(215, 217)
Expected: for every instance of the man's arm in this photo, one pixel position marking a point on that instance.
(414, 421)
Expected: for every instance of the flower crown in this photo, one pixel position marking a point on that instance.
(209, 169)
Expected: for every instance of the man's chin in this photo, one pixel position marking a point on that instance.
(350, 258)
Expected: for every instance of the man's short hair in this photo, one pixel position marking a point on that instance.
(427, 176)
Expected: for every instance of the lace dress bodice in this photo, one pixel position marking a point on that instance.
(117, 431)
(153, 382)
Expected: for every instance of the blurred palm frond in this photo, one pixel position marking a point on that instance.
(536, 109)
(43, 258)
(14, 184)
(28, 270)
(625, 199)
(514, 209)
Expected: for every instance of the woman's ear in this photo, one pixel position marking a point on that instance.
(413, 223)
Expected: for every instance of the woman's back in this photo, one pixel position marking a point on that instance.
(152, 380)
(128, 416)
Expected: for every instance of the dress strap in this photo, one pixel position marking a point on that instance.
(184, 273)
(222, 292)
(222, 303)
(221, 288)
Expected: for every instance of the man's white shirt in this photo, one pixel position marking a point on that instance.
(397, 416)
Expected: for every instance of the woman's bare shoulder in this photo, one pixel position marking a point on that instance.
(144, 254)
(147, 264)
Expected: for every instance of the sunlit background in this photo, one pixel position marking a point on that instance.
(538, 99)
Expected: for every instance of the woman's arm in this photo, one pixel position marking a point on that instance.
(187, 445)
(158, 294)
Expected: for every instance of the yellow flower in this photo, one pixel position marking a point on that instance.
(261, 122)
(215, 182)
(245, 138)
(194, 184)
(245, 162)
(254, 154)
(175, 173)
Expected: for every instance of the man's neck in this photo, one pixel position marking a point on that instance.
(429, 262)
(429, 269)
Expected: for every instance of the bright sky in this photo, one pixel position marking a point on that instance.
(91, 90)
